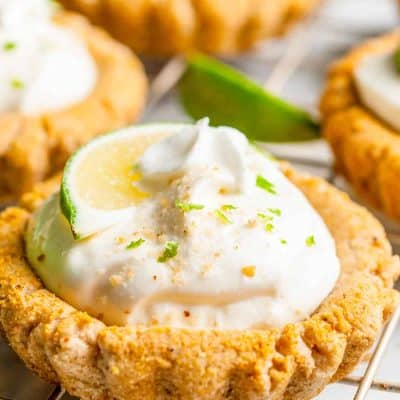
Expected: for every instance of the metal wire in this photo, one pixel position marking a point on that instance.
(57, 394)
(377, 357)
(384, 386)
(164, 82)
(296, 51)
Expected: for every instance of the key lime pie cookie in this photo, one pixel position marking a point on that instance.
(361, 114)
(179, 262)
(168, 27)
(62, 82)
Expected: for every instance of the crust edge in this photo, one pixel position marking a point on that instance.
(93, 361)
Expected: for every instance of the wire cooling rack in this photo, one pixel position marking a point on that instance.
(283, 60)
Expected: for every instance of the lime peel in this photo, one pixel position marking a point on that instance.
(213, 89)
(397, 60)
(87, 217)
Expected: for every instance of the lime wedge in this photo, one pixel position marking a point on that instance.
(99, 188)
(212, 89)
(397, 60)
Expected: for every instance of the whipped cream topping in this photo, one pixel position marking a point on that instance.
(185, 151)
(378, 84)
(43, 67)
(223, 241)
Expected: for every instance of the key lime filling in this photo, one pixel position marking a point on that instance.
(206, 233)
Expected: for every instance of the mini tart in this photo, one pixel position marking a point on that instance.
(367, 150)
(33, 148)
(173, 26)
(94, 361)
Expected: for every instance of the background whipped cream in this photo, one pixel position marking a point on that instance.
(378, 84)
(43, 67)
(249, 250)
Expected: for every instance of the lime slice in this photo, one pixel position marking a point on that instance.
(211, 89)
(397, 60)
(98, 187)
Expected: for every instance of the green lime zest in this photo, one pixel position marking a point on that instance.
(170, 251)
(222, 217)
(9, 46)
(228, 207)
(228, 97)
(135, 244)
(265, 184)
(186, 207)
(269, 227)
(265, 217)
(17, 83)
(310, 241)
(275, 211)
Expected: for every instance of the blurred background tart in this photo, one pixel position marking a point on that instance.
(360, 109)
(161, 28)
(63, 82)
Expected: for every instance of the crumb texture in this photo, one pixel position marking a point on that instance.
(98, 362)
(366, 149)
(34, 148)
(173, 26)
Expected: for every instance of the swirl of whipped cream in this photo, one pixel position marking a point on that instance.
(43, 66)
(223, 241)
(178, 154)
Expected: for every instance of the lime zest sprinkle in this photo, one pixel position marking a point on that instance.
(265, 184)
(265, 217)
(283, 241)
(17, 83)
(135, 244)
(170, 251)
(228, 207)
(185, 207)
(269, 227)
(221, 215)
(9, 46)
(310, 241)
(275, 211)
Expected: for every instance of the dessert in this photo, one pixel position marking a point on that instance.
(177, 261)
(152, 264)
(360, 109)
(63, 82)
(169, 27)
